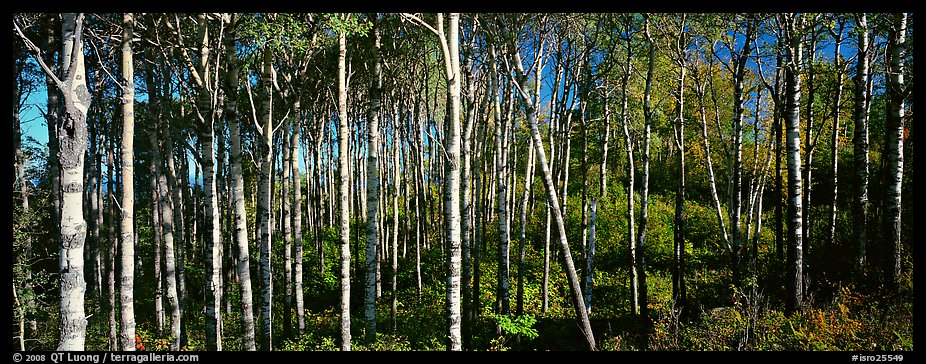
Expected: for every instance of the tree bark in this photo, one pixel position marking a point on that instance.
(631, 174)
(264, 209)
(452, 181)
(344, 191)
(127, 238)
(373, 188)
(502, 194)
(297, 220)
(834, 136)
(520, 80)
(894, 143)
(71, 131)
(860, 145)
(237, 180)
(792, 39)
(167, 218)
(638, 254)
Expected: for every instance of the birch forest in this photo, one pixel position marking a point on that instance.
(462, 182)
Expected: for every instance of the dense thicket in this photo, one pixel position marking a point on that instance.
(386, 177)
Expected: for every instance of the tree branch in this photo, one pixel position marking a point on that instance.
(36, 52)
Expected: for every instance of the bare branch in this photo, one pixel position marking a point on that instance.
(36, 52)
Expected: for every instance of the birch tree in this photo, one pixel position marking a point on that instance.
(897, 91)
(237, 181)
(860, 141)
(519, 78)
(71, 131)
(127, 238)
(793, 24)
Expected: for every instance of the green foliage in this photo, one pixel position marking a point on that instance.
(348, 23)
(521, 325)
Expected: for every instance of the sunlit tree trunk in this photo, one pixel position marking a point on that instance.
(264, 204)
(793, 50)
(286, 202)
(520, 80)
(240, 217)
(502, 194)
(71, 132)
(894, 127)
(297, 220)
(372, 197)
(127, 241)
(344, 191)
(631, 180)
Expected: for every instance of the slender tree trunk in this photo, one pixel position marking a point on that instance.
(779, 143)
(794, 298)
(286, 170)
(54, 107)
(894, 143)
(603, 169)
(167, 224)
(736, 151)
(679, 292)
(530, 108)
(860, 145)
(558, 219)
(237, 181)
(631, 225)
(176, 192)
(127, 241)
(481, 188)
(638, 254)
(466, 228)
(158, 249)
(372, 185)
(264, 209)
(810, 141)
(502, 195)
(110, 257)
(452, 182)
(395, 221)
(528, 186)
(297, 220)
(344, 191)
(834, 137)
(590, 256)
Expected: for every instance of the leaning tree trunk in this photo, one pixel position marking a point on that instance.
(530, 108)
(127, 230)
(528, 186)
